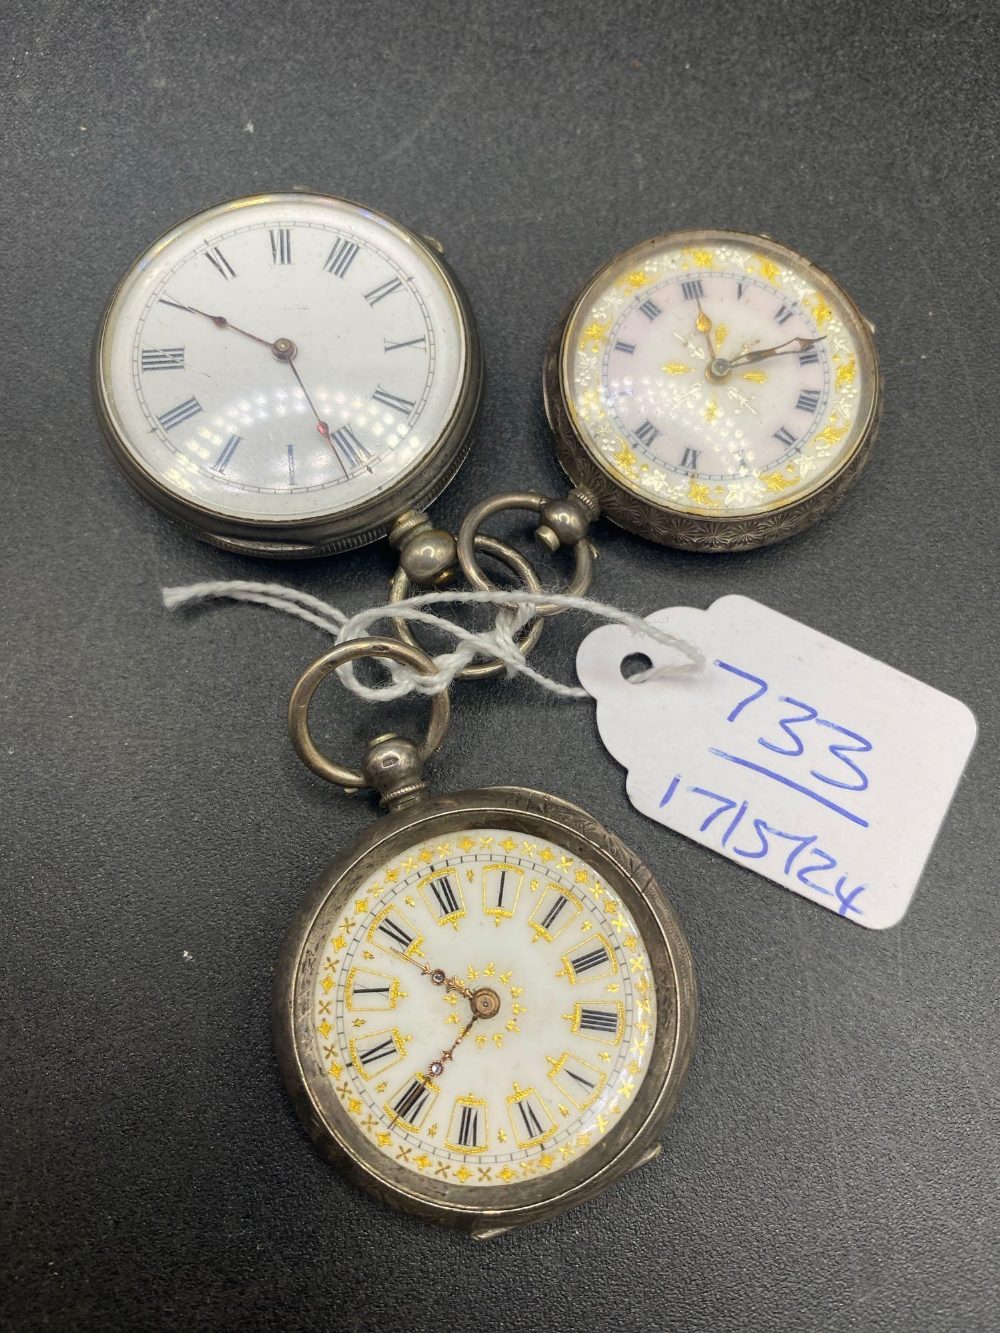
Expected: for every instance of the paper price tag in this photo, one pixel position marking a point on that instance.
(820, 768)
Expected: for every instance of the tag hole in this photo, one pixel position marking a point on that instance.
(634, 663)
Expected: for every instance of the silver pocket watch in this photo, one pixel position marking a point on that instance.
(485, 1008)
(712, 390)
(287, 373)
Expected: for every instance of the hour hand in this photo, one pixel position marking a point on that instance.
(437, 975)
(704, 326)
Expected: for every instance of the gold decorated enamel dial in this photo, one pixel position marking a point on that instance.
(484, 1008)
(715, 389)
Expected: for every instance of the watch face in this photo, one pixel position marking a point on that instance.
(485, 1010)
(282, 358)
(718, 374)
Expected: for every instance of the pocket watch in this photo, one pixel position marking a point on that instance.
(713, 390)
(485, 1009)
(287, 373)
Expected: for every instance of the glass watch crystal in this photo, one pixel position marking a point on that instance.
(288, 372)
(713, 389)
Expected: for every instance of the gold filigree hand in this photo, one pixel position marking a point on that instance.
(786, 348)
(436, 1067)
(704, 326)
(437, 975)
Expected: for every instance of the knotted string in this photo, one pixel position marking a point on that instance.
(514, 610)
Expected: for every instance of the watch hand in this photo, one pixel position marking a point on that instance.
(687, 343)
(485, 1004)
(437, 975)
(782, 349)
(704, 325)
(221, 322)
(283, 348)
(286, 353)
(436, 1067)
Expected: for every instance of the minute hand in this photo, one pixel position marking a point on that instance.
(782, 349)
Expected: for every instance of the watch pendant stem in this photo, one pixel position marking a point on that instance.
(393, 766)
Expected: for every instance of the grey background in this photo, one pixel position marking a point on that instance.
(833, 1164)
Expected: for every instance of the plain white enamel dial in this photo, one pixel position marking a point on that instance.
(199, 394)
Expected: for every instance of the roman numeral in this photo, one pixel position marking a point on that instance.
(810, 357)
(391, 930)
(387, 399)
(281, 246)
(598, 1020)
(179, 414)
(693, 291)
(784, 436)
(739, 291)
(411, 1101)
(226, 457)
(646, 433)
(783, 315)
(584, 962)
(501, 888)
(350, 446)
(163, 358)
(394, 932)
(381, 1051)
(576, 1079)
(220, 263)
(650, 309)
(808, 400)
(592, 957)
(529, 1118)
(627, 348)
(413, 342)
(341, 257)
(690, 459)
(380, 293)
(445, 895)
(468, 1127)
(370, 990)
(602, 1021)
(555, 911)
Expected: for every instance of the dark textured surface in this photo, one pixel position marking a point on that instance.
(833, 1164)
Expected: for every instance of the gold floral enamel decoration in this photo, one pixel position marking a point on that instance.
(735, 348)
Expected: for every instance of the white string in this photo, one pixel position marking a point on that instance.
(515, 610)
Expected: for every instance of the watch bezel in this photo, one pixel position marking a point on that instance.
(633, 1139)
(334, 530)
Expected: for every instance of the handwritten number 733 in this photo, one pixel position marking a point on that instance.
(794, 734)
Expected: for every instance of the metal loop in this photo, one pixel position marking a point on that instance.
(400, 588)
(583, 552)
(317, 671)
